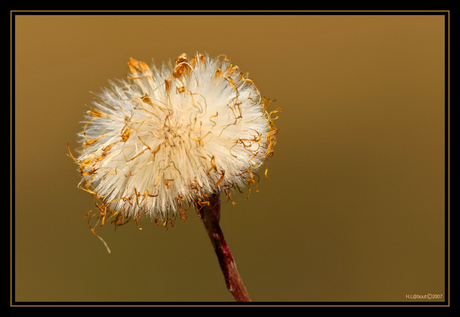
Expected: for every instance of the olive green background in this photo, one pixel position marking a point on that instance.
(355, 207)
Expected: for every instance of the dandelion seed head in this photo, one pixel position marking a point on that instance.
(164, 139)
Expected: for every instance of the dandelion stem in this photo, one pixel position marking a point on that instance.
(210, 214)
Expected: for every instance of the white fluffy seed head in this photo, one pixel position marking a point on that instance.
(169, 138)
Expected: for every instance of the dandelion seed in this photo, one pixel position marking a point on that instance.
(173, 137)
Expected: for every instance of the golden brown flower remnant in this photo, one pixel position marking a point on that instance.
(169, 138)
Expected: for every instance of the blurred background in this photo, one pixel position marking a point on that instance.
(354, 210)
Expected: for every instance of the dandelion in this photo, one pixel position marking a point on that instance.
(171, 138)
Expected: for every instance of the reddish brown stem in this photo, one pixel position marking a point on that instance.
(211, 217)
